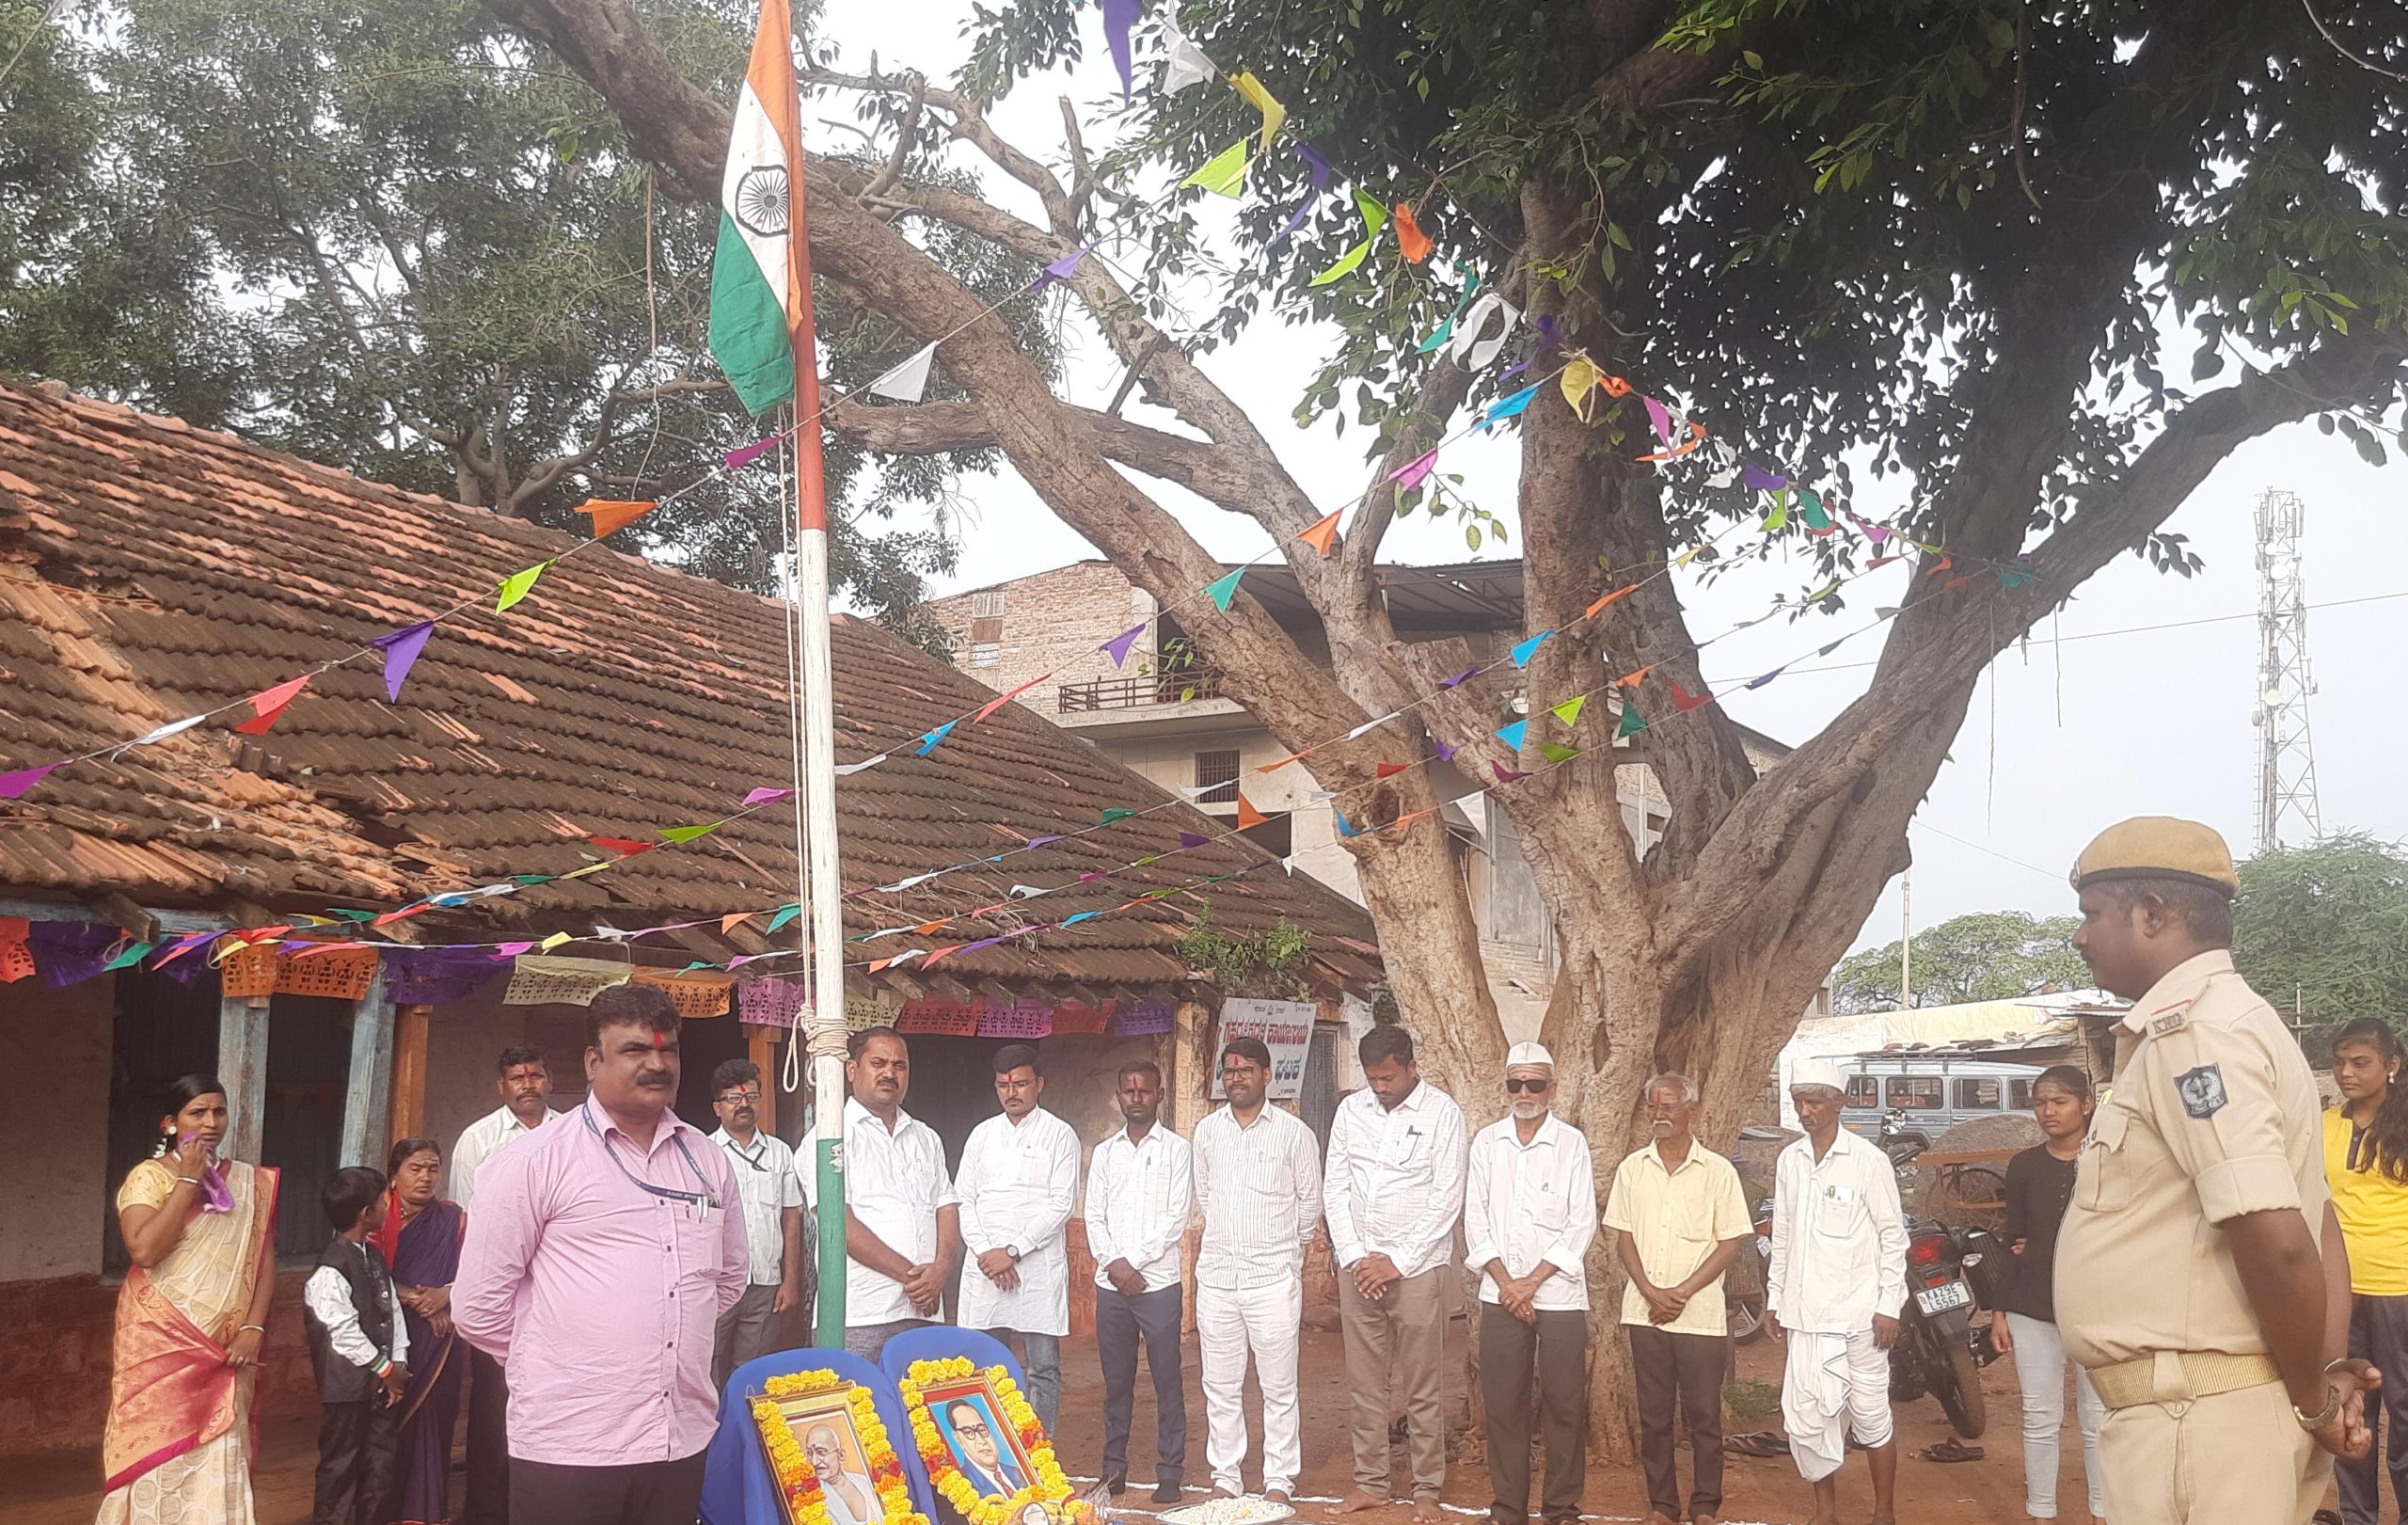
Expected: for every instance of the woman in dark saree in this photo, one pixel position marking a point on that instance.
(422, 1244)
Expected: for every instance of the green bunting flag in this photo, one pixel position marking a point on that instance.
(1569, 711)
(1116, 813)
(517, 585)
(1221, 590)
(1375, 218)
(1224, 174)
(1556, 752)
(1632, 721)
(688, 834)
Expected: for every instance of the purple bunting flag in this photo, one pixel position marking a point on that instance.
(1191, 839)
(401, 648)
(1118, 647)
(744, 455)
(1756, 479)
(1119, 17)
(1321, 172)
(1059, 270)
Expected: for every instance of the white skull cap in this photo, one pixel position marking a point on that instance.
(1816, 1072)
(1529, 1057)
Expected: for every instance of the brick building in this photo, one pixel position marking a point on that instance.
(150, 572)
(1161, 714)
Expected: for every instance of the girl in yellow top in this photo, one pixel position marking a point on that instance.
(2366, 1164)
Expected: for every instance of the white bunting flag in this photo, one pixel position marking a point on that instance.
(908, 382)
(1187, 63)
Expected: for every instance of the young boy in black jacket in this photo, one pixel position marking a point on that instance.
(357, 1346)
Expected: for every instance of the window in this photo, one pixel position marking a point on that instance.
(988, 605)
(1920, 1093)
(1862, 1091)
(2019, 1095)
(985, 654)
(1974, 1095)
(1219, 768)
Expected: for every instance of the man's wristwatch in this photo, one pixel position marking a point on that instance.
(2331, 1411)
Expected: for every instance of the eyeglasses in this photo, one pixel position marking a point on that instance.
(1527, 1084)
(737, 1097)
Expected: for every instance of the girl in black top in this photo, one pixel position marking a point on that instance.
(2040, 1185)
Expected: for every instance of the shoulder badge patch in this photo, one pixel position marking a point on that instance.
(2169, 1020)
(2202, 1091)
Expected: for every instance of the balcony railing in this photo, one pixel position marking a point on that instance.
(1139, 692)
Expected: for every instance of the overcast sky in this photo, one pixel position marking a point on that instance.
(2060, 740)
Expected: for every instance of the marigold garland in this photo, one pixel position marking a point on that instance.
(798, 1483)
(1050, 1489)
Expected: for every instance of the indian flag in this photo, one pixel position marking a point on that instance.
(760, 293)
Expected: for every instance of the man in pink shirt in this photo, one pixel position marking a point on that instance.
(604, 1246)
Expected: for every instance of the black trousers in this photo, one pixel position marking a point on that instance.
(2379, 1333)
(488, 1501)
(634, 1493)
(1686, 1371)
(356, 1447)
(1120, 1321)
(1553, 1358)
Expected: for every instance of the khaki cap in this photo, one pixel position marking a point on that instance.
(2157, 847)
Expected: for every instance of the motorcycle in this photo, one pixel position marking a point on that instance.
(1941, 1348)
(1900, 1142)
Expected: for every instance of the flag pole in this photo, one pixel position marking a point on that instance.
(820, 877)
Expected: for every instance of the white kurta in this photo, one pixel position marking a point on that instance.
(478, 1142)
(894, 1185)
(1017, 1184)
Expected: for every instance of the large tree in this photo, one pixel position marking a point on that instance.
(1981, 956)
(2323, 929)
(1943, 234)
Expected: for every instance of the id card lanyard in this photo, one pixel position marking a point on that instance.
(702, 1202)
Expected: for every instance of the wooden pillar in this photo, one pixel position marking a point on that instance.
(409, 1072)
(367, 1104)
(241, 1064)
(761, 1046)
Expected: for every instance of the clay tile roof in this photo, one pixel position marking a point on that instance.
(149, 570)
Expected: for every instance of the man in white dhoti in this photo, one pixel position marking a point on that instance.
(1837, 1283)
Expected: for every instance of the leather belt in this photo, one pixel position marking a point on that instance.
(2170, 1377)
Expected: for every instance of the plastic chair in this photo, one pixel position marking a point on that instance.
(737, 1489)
(938, 1342)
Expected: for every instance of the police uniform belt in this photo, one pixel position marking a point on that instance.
(2170, 1377)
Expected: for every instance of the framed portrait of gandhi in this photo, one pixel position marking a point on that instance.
(824, 1425)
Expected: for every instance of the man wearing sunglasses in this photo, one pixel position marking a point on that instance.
(772, 1204)
(1530, 1214)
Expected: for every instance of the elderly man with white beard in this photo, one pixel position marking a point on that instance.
(1529, 1213)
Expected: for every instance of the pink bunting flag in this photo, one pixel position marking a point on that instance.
(13, 786)
(1000, 700)
(762, 797)
(401, 648)
(1661, 417)
(1412, 472)
(269, 703)
(744, 455)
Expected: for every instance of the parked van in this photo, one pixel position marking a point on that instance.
(1935, 1093)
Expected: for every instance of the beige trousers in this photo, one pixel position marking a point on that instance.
(1405, 1331)
(2236, 1458)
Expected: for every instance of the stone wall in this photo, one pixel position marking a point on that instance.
(54, 1133)
(1053, 621)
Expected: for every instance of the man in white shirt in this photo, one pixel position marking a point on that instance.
(902, 1219)
(1140, 1196)
(1681, 1217)
(1258, 1179)
(526, 1086)
(1530, 1214)
(772, 1201)
(1835, 1288)
(1019, 1180)
(1392, 1191)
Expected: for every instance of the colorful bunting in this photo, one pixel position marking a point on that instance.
(1222, 589)
(1684, 701)
(1569, 711)
(1274, 113)
(611, 515)
(127, 957)
(269, 703)
(1411, 241)
(849, 769)
(402, 649)
(1116, 813)
(1614, 597)
(1505, 774)
(1248, 814)
(1323, 535)
(1061, 269)
(1413, 472)
(1345, 827)
(1460, 679)
(1809, 508)
(1473, 349)
(1756, 479)
(682, 835)
(13, 786)
(1632, 721)
(767, 795)
(518, 585)
(1506, 407)
(1223, 174)
(626, 847)
(1445, 333)
(934, 739)
(1556, 752)
(744, 455)
(1389, 770)
(1321, 172)
(1189, 840)
(1119, 17)
(160, 733)
(1445, 753)
(785, 915)
(1187, 64)
(1375, 218)
(1759, 682)
(1528, 647)
(1579, 384)
(909, 382)
(1513, 735)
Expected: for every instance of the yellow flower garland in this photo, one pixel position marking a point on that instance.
(806, 1501)
(1050, 1489)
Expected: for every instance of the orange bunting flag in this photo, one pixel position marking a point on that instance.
(1955, 583)
(1611, 597)
(1632, 680)
(1945, 563)
(1615, 385)
(1322, 536)
(1248, 815)
(1684, 701)
(927, 927)
(610, 517)
(729, 924)
(1293, 757)
(267, 704)
(1391, 770)
(1000, 700)
(1411, 241)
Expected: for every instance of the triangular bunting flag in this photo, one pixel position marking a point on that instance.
(1374, 217)
(1528, 647)
(1556, 752)
(269, 703)
(1569, 711)
(1188, 840)
(1411, 473)
(1470, 346)
(1759, 682)
(518, 585)
(934, 739)
(1684, 701)
(1322, 173)
(1119, 16)
(1506, 407)
(13, 786)
(744, 455)
(1779, 515)
(908, 382)
(1371, 724)
(688, 833)
(1061, 269)
(1579, 384)
(1505, 774)
(1274, 113)
(729, 923)
(1632, 721)
(626, 847)
(1248, 815)
(786, 914)
(849, 769)
(1345, 827)
(1411, 241)
(1445, 753)
(1116, 813)
(1293, 757)
(1513, 735)
(1118, 647)
(1000, 700)
(611, 515)
(1187, 64)
(1390, 769)
(1460, 679)
(1323, 535)
(764, 796)
(555, 940)
(401, 648)
(1223, 174)
(1618, 593)
(1222, 589)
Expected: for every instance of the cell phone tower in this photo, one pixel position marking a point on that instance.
(2285, 754)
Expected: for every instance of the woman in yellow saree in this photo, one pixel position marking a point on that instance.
(190, 1321)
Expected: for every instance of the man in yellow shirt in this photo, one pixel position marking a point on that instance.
(2365, 1163)
(1682, 1218)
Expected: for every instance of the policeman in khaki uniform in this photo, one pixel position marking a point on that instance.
(2200, 1275)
